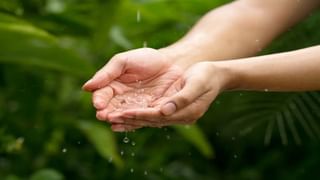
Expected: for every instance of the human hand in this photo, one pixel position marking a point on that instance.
(133, 79)
(184, 102)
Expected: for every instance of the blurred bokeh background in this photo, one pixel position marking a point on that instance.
(48, 130)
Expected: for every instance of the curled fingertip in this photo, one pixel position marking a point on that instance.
(87, 84)
(100, 116)
(169, 108)
(98, 104)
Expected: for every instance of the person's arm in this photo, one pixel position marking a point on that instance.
(291, 71)
(239, 29)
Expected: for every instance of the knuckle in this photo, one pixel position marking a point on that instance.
(119, 56)
(183, 101)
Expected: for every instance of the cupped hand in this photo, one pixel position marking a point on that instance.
(184, 102)
(132, 80)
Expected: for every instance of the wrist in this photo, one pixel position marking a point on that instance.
(228, 75)
(181, 55)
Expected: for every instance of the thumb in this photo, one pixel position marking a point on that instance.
(106, 74)
(191, 91)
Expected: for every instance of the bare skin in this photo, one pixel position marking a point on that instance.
(179, 86)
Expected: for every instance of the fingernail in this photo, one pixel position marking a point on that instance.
(88, 82)
(168, 108)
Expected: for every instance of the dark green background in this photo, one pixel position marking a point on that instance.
(48, 130)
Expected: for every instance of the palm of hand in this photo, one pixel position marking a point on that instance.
(142, 93)
(146, 77)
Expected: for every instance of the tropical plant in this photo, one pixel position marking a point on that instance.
(48, 131)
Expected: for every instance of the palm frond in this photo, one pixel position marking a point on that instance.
(294, 116)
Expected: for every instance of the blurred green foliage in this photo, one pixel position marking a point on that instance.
(48, 48)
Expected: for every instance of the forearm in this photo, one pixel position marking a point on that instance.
(239, 29)
(292, 71)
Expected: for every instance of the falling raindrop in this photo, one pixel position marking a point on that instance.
(131, 170)
(145, 172)
(138, 16)
(233, 138)
(126, 139)
(110, 159)
(122, 153)
(64, 150)
(133, 143)
(145, 44)
(235, 156)
(161, 169)
(217, 134)
(266, 90)
(133, 154)
(168, 137)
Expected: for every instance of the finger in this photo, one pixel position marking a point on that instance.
(151, 114)
(192, 90)
(101, 97)
(154, 116)
(193, 112)
(106, 74)
(140, 122)
(123, 127)
(120, 117)
(102, 115)
(187, 115)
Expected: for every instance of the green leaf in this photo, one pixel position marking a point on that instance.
(48, 174)
(288, 113)
(25, 44)
(196, 137)
(103, 140)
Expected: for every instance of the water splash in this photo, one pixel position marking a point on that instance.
(133, 99)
